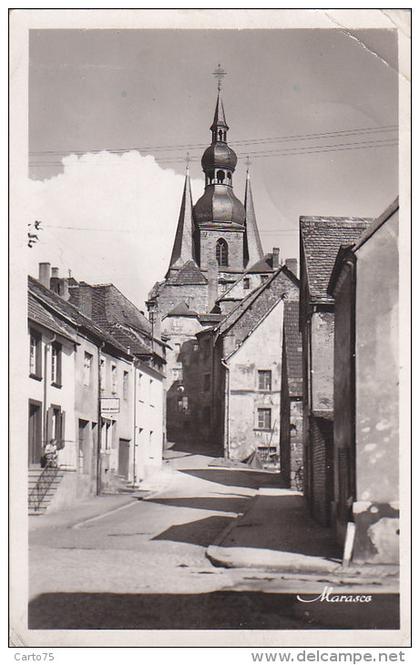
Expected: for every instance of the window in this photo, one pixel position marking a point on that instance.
(222, 252)
(183, 404)
(102, 374)
(263, 278)
(56, 364)
(246, 283)
(264, 419)
(87, 369)
(264, 379)
(35, 354)
(140, 387)
(177, 374)
(125, 385)
(114, 379)
(206, 382)
(220, 175)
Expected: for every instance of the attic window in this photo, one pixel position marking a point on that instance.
(222, 252)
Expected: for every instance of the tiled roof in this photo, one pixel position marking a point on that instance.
(113, 312)
(293, 346)
(190, 273)
(244, 318)
(129, 339)
(109, 304)
(64, 308)
(38, 313)
(321, 239)
(182, 309)
(263, 265)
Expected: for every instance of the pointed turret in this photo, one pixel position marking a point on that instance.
(183, 249)
(253, 250)
(219, 127)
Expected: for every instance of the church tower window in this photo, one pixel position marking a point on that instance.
(220, 177)
(222, 252)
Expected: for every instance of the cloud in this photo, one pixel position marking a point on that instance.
(108, 218)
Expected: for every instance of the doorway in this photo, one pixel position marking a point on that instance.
(123, 457)
(34, 433)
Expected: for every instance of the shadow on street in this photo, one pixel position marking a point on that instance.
(200, 532)
(228, 610)
(238, 477)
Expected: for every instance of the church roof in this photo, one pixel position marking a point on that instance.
(183, 248)
(253, 249)
(190, 273)
(182, 309)
(219, 119)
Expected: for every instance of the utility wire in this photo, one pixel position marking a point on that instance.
(269, 139)
(302, 150)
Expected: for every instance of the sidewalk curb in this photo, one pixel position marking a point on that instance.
(248, 557)
(289, 562)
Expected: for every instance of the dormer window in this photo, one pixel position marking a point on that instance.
(222, 252)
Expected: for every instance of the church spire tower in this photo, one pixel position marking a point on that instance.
(183, 249)
(253, 250)
(218, 214)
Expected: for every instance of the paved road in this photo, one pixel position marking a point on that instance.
(144, 566)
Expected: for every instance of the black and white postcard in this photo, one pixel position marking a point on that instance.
(210, 328)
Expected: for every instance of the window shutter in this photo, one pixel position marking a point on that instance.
(61, 441)
(49, 425)
(59, 354)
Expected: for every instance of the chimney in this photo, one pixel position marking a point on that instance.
(44, 274)
(291, 264)
(64, 288)
(85, 300)
(213, 283)
(276, 258)
(55, 281)
(154, 317)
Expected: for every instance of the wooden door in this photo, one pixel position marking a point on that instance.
(123, 457)
(34, 433)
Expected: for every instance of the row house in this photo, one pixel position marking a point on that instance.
(240, 363)
(320, 240)
(364, 285)
(81, 395)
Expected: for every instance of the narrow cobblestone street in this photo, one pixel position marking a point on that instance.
(143, 564)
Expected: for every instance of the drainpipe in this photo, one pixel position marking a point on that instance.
(99, 437)
(227, 394)
(134, 422)
(47, 344)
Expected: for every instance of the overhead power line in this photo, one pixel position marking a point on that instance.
(249, 141)
(285, 152)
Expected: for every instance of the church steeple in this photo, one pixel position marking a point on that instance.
(219, 127)
(253, 250)
(219, 205)
(183, 249)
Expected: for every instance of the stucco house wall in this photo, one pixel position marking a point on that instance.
(377, 396)
(244, 396)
